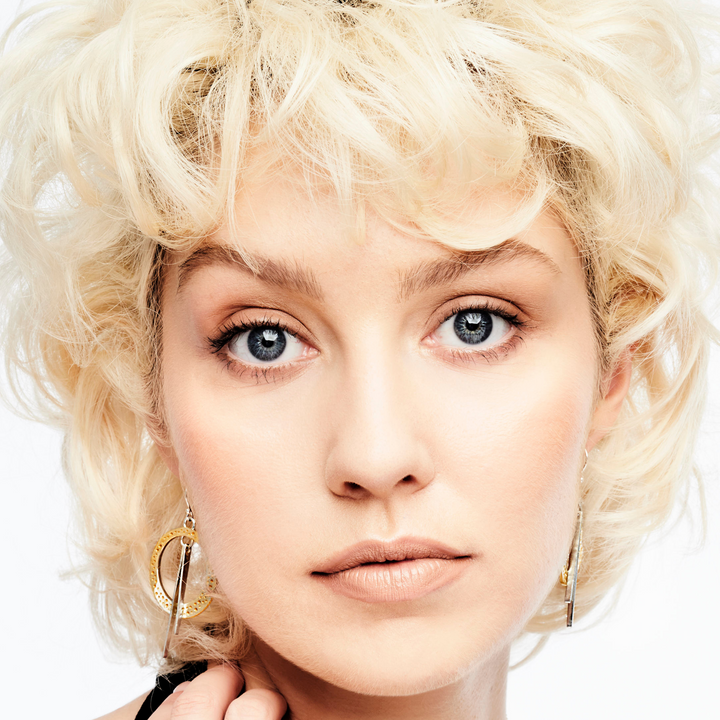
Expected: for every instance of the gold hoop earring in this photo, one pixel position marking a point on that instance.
(176, 605)
(569, 573)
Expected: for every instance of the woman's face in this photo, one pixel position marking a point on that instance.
(382, 440)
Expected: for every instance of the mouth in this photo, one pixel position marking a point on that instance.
(401, 570)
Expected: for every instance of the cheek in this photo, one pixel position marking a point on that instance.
(250, 465)
(512, 450)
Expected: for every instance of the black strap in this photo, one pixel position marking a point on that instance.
(164, 686)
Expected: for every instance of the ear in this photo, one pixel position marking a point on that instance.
(167, 453)
(162, 443)
(615, 385)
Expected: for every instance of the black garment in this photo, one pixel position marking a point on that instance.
(164, 686)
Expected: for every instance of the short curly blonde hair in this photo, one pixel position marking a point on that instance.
(127, 126)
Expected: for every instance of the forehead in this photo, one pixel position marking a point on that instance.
(296, 232)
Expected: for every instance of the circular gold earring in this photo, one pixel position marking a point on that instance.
(176, 605)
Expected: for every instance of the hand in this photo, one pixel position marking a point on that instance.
(214, 696)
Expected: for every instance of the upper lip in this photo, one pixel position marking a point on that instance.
(377, 551)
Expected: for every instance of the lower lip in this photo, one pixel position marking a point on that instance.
(395, 581)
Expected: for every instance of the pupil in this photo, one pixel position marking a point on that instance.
(266, 344)
(473, 326)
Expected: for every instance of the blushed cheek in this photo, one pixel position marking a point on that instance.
(515, 451)
(243, 478)
(543, 503)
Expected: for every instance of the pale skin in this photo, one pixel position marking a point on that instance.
(379, 421)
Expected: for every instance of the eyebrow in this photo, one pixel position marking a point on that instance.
(285, 275)
(424, 276)
(446, 270)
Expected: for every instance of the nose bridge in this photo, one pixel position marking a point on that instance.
(376, 448)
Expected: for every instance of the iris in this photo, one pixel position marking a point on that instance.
(473, 326)
(266, 343)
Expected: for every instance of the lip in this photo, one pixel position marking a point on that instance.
(396, 571)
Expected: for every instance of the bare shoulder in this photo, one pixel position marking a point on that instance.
(126, 712)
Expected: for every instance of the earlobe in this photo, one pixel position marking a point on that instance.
(616, 384)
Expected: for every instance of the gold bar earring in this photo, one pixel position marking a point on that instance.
(569, 574)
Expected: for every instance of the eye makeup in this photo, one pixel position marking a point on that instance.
(266, 349)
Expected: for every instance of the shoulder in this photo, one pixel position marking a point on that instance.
(126, 712)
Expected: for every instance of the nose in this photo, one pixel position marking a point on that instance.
(377, 448)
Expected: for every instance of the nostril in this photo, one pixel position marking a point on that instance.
(354, 490)
(375, 485)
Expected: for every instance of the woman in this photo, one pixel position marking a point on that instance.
(392, 308)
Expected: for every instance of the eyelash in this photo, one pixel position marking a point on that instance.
(498, 352)
(226, 333)
(229, 331)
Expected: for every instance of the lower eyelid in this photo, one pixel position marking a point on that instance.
(493, 352)
(259, 372)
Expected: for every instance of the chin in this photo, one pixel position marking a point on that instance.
(411, 679)
(407, 660)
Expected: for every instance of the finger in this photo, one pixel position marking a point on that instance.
(256, 676)
(164, 712)
(257, 704)
(207, 697)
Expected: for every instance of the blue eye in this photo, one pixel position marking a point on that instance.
(473, 327)
(265, 344)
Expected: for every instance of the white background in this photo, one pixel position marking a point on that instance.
(655, 656)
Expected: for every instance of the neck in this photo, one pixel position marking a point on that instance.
(477, 695)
